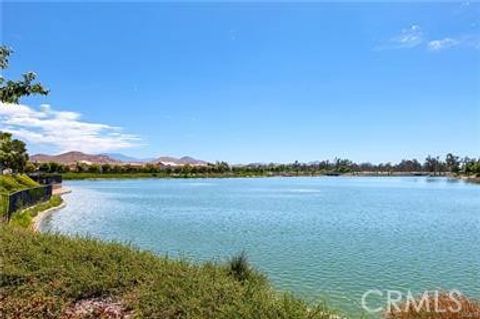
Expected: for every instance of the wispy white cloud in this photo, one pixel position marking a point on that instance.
(62, 130)
(447, 43)
(441, 44)
(413, 37)
(407, 38)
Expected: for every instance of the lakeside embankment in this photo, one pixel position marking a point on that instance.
(55, 276)
(32, 216)
(50, 208)
(471, 179)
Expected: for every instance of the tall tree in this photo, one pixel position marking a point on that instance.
(432, 164)
(11, 91)
(453, 163)
(13, 153)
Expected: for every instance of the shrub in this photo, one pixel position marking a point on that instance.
(239, 267)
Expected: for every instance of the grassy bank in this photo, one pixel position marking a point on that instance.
(10, 184)
(54, 276)
(443, 306)
(25, 217)
(14, 183)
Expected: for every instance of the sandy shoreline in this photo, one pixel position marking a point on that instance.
(37, 220)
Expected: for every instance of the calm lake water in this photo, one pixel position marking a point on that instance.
(324, 237)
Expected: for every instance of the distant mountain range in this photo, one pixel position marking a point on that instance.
(112, 158)
(128, 159)
(167, 160)
(73, 157)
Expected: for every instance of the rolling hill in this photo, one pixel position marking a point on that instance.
(74, 157)
(114, 158)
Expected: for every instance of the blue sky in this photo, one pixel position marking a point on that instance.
(249, 82)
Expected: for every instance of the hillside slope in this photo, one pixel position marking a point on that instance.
(113, 158)
(13, 183)
(73, 157)
(168, 160)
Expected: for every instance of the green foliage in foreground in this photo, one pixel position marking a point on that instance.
(24, 218)
(44, 274)
(15, 182)
(11, 91)
(13, 153)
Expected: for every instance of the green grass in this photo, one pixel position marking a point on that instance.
(24, 218)
(16, 182)
(45, 274)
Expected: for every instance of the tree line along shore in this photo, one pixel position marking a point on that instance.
(452, 166)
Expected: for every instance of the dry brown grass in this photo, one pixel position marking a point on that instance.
(443, 307)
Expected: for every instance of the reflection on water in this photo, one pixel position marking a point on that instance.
(329, 237)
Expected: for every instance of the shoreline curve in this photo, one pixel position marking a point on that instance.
(37, 220)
